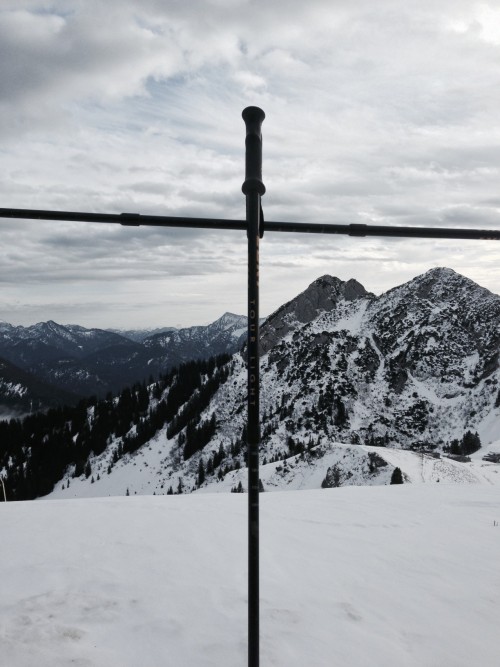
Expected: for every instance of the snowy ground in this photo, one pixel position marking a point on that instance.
(357, 576)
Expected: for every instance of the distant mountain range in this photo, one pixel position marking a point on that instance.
(72, 361)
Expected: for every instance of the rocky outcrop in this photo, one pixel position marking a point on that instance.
(322, 295)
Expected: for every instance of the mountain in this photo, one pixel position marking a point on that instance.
(22, 392)
(139, 335)
(96, 361)
(416, 366)
(48, 340)
(354, 386)
(227, 334)
(324, 295)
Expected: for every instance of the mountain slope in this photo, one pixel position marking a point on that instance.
(22, 392)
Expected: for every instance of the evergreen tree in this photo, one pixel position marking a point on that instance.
(470, 443)
(201, 472)
(397, 476)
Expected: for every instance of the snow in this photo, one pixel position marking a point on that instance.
(299, 473)
(158, 464)
(395, 575)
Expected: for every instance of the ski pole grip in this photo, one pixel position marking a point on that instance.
(253, 117)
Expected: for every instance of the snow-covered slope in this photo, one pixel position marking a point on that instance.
(157, 466)
(401, 575)
(224, 335)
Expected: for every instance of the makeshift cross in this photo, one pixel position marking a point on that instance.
(254, 188)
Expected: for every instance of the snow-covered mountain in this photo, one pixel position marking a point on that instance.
(96, 361)
(49, 339)
(348, 379)
(226, 334)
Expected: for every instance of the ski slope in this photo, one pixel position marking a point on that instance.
(378, 576)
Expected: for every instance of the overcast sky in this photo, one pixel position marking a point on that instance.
(382, 112)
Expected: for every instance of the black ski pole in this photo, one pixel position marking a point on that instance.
(253, 188)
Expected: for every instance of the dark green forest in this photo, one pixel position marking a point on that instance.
(37, 451)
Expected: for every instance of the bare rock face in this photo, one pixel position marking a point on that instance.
(322, 295)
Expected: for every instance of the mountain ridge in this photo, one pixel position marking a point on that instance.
(96, 361)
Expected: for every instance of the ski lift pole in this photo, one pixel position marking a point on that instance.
(253, 188)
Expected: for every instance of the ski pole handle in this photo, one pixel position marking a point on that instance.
(253, 117)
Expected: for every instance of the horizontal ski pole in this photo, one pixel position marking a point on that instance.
(353, 229)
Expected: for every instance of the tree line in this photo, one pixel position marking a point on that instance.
(36, 452)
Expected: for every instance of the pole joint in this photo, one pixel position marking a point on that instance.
(130, 219)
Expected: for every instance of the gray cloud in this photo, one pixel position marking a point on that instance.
(383, 115)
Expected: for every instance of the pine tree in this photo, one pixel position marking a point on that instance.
(397, 476)
(201, 472)
(470, 443)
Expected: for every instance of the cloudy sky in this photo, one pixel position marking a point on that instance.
(382, 112)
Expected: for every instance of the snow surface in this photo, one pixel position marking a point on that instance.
(358, 576)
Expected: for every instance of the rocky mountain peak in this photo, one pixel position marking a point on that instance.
(322, 295)
(441, 284)
(231, 320)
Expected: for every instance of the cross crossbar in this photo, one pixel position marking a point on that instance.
(352, 229)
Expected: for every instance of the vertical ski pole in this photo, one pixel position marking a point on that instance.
(253, 188)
